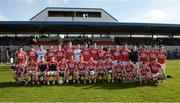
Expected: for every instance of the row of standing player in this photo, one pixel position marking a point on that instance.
(100, 54)
(117, 54)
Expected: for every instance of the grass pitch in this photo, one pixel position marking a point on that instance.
(169, 91)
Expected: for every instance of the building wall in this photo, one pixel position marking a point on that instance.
(43, 16)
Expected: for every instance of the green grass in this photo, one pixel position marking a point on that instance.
(130, 92)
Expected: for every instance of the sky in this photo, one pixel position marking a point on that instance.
(146, 11)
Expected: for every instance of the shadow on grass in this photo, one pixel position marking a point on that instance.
(5, 70)
(83, 86)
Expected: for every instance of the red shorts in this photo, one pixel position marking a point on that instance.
(82, 72)
(129, 75)
(145, 77)
(71, 71)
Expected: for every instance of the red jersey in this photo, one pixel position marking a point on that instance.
(81, 66)
(119, 67)
(32, 55)
(108, 54)
(21, 57)
(153, 55)
(144, 55)
(20, 69)
(129, 68)
(116, 55)
(49, 54)
(100, 66)
(53, 65)
(101, 54)
(71, 64)
(94, 53)
(162, 55)
(108, 65)
(69, 52)
(125, 54)
(91, 66)
(86, 55)
(144, 71)
(33, 65)
(59, 55)
(155, 67)
(63, 66)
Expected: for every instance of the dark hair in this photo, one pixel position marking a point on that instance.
(20, 47)
(161, 45)
(125, 43)
(143, 63)
(144, 46)
(118, 61)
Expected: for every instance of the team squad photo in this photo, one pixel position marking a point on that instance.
(90, 64)
(89, 51)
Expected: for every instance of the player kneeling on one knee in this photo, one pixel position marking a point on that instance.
(130, 71)
(52, 70)
(100, 71)
(20, 73)
(62, 71)
(71, 68)
(156, 71)
(41, 71)
(119, 71)
(81, 71)
(144, 74)
(91, 69)
(31, 70)
(109, 70)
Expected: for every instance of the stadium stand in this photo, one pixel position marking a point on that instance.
(46, 41)
(16, 41)
(103, 40)
(147, 41)
(75, 40)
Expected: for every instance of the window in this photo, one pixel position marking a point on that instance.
(60, 14)
(71, 14)
(81, 14)
(94, 14)
(88, 14)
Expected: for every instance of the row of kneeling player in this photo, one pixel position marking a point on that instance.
(85, 71)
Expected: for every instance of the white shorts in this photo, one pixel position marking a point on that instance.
(31, 72)
(124, 63)
(156, 75)
(163, 66)
(115, 62)
(136, 65)
(95, 61)
(91, 73)
(77, 58)
(51, 72)
(67, 60)
(109, 71)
